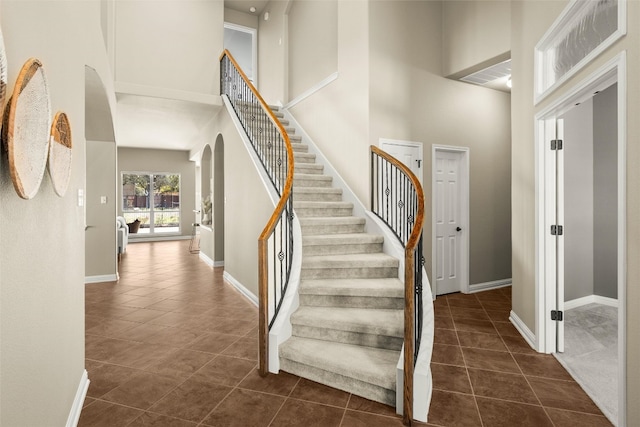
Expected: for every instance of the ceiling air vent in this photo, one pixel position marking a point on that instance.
(489, 74)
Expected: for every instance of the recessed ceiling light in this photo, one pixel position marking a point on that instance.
(252, 9)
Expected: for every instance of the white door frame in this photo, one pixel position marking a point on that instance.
(611, 72)
(464, 214)
(254, 47)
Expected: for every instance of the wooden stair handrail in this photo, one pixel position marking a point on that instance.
(263, 270)
(409, 286)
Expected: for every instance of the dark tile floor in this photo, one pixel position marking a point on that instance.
(171, 344)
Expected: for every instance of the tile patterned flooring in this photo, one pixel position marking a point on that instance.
(171, 344)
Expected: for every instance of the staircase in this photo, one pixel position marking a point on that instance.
(348, 331)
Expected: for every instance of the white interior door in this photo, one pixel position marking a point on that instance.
(409, 153)
(448, 224)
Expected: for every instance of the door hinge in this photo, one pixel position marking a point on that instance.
(556, 315)
(556, 144)
(556, 230)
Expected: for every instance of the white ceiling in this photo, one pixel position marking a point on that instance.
(147, 122)
(245, 5)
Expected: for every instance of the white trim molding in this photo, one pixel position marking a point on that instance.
(524, 330)
(590, 299)
(78, 401)
(218, 264)
(205, 258)
(240, 287)
(487, 286)
(313, 89)
(159, 238)
(101, 279)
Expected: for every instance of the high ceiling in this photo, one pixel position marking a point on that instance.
(245, 5)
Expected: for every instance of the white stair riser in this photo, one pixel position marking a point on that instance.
(318, 230)
(347, 337)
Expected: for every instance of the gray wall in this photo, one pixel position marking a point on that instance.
(161, 161)
(100, 243)
(590, 160)
(605, 199)
(578, 201)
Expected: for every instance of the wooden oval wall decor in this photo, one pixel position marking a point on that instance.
(26, 129)
(60, 153)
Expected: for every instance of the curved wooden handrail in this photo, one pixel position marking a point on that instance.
(263, 271)
(409, 286)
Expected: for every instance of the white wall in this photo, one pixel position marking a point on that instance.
(605, 202)
(313, 43)
(42, 239)
(476, 34)
(169, 44)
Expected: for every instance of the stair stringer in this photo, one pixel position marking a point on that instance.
(281, 329)
(423, 384)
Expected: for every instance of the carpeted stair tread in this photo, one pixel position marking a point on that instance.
(371, 365)
(361, 320)
(308, 168)
(304, 157)
(351, 260)
(311, 180)
(332, 225)
(385, 287)
(322, 208)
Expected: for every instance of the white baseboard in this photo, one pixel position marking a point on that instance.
(526, 333)
(590, 299)
(218, 263)
(486, 286)
(102, 278)
(240, 287)
(158, 238)
(78, 401)
(206, 259)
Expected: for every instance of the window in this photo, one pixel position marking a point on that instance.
(583, 31)
(154, 199)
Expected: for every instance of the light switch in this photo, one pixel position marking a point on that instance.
(80, 197)
(103, 200)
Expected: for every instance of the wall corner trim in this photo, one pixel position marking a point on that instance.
(101, 278)
(241, 288)
(78, 401)
(206, 259)
(524, 330)
(590, 299)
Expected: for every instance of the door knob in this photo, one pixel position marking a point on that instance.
(458, 229)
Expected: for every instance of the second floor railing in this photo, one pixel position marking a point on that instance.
(271, 143)
(397, 199)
